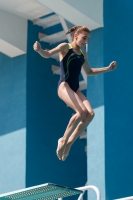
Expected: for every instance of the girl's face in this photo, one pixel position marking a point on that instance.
(82, 38)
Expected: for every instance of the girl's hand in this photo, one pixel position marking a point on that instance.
(37, 46)
(112, 66)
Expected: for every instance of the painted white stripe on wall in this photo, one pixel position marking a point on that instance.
(95, 153)
(12, 161)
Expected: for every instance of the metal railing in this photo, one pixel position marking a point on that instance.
(126, 198)
(87, 187)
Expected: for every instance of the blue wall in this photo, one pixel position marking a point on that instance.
(118, 89)
(13, 122)
(47, 118)
(13, 93)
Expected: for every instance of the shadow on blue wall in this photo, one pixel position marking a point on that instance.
(12, 93)
(47, 118)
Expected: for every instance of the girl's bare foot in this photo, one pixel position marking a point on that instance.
(66, 152)
(61, 147)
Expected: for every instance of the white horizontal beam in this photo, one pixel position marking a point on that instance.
(54, 38)
(10, 50)
(83, 135)
(55, 69)
(47, 21)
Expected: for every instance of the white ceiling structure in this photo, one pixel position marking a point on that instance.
(74, 11)
(32, 9)
(87, 12)
(28, 9)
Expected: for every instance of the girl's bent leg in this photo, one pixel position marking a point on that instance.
(81, 126)
(76, 133)
(72, 100)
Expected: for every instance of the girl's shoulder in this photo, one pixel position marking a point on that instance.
(64, 47)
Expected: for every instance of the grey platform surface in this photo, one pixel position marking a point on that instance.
(48, 191)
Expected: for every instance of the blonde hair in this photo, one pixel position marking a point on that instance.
(77, 29)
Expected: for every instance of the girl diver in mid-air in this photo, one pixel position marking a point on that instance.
(72, 58)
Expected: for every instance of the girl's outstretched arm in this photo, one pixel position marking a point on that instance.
(94, 71)
(48, 53)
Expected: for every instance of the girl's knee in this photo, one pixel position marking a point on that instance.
(92, 114)
(82, 113)
(89, 116)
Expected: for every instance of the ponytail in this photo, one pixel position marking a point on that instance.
(72, 29)
(77, 29)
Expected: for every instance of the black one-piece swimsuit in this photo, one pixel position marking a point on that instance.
(70, 67)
